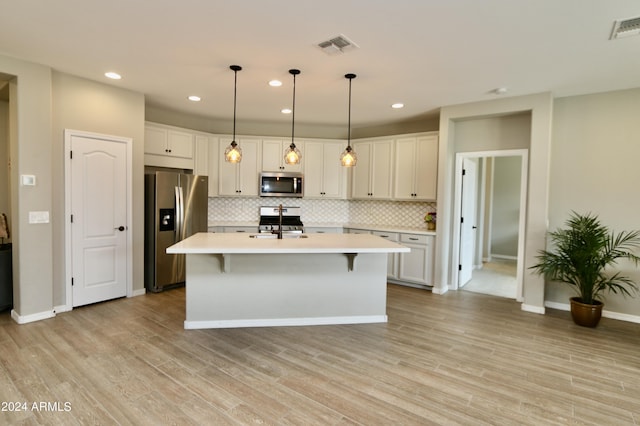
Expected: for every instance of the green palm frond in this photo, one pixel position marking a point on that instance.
(581, 253)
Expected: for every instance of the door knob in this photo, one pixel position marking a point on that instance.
(120, 228)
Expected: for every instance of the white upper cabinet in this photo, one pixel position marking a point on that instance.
(240, 179)
(273, 156)
(416, 168)
(165, 146)
(373, 174)
(324, 176)
(206, 160)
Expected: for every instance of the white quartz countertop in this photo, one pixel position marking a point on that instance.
(383, 228)
(242, 243)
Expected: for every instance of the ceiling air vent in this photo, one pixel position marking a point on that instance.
(625, 28)
(339, 44)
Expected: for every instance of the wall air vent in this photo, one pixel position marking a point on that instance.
(625, 28)
(339, 44)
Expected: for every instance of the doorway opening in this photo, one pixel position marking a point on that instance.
(491, 192)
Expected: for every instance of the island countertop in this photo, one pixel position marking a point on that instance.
(216, 243)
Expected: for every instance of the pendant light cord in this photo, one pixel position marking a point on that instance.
(293, 109)
(293, 72)
(235, 95)
(350, 77)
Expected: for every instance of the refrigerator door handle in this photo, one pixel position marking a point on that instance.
(179, 213)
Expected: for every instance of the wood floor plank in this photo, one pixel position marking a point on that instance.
(458, 359)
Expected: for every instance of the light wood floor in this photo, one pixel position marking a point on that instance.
(459, 358)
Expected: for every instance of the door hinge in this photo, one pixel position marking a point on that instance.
(71, 155)
(464, 172)
(71, 218)
(462, 220)
(71, 281)
(459, 267)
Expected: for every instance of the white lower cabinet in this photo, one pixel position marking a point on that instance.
(417, 265)
(392, 261)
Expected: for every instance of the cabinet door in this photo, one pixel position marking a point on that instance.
(381, 169)
(180, 144)
(361, 185)
(249, 167)
(206, 161)
(417, 265)
(426, 167)
(392, 259)
(272, 153)
(405, 169)
(313, 170)
(412, 264)
(333, 172)
(155, 140)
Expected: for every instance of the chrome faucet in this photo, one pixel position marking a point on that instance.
(280, 221)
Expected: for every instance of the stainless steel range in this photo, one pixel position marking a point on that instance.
(281, 220)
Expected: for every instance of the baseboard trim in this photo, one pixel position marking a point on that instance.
(62, 308)
(139, 292)
(606, 314)
(531, 308)
(25, 319)
(440, 290)
(504, 256)
(284, 322)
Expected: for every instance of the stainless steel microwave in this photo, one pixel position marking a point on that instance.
(281, 184)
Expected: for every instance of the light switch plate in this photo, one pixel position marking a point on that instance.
(38, 217)
(28, 180)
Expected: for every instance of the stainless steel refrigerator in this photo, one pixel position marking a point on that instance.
(175, 208)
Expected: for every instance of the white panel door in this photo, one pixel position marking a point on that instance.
(99, 219)
(468, 221)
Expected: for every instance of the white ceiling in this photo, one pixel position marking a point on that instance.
(424, 53)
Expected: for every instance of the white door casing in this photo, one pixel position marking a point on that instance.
(468, 223)
(524, 173)
(98, 217)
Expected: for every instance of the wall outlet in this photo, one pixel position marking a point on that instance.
(38, 217)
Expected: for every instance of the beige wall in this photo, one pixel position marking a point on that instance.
(453, 121)
(30, 147)
(594, 168)
(5, 206)
(43, 104)
(85, 105)
(506, 206)
(175, 118)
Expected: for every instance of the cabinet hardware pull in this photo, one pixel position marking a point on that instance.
(413, 239)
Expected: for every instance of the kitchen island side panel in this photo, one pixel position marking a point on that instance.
(284, 289)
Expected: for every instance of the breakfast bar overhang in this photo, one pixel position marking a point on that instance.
(240, 280)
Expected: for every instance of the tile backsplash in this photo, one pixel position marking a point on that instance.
(374, 212)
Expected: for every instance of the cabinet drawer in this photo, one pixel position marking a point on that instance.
(414, 238)
(391, 236)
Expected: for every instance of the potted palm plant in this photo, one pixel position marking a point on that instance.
(579, 256)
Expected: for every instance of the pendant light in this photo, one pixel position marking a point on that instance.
(348, 157)
(233, 153)
(292, 154)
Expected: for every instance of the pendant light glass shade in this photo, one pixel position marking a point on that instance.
(292, 154)
(233, 153)
(348, 158)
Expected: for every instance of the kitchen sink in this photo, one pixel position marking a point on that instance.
(273, 236)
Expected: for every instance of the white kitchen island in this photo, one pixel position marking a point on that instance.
(237, 280)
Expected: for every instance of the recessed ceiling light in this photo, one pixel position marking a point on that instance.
(286, 110)
(113, 75)
(397, 105)
(500, 91)
(275, 83)
(194, 98)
